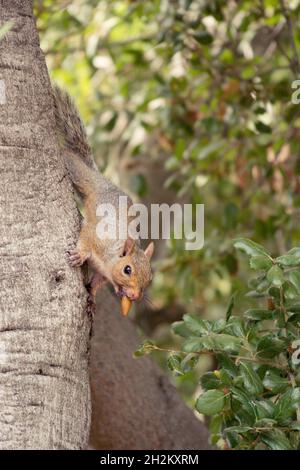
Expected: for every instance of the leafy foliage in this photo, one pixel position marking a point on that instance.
(254, 395)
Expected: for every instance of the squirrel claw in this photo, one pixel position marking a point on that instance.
(75, 258)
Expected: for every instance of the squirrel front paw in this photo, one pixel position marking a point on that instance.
(76, 258)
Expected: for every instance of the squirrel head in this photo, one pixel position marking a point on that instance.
(131, 274)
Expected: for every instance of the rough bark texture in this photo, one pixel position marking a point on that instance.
(44, 330)
(134, 405)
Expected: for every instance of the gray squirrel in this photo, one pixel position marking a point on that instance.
(121, 262)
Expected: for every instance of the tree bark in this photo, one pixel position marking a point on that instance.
(44, 329)
(134, 405)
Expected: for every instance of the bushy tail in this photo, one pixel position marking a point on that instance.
(78, 155)
(70, 126)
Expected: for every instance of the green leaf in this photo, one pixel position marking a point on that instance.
(262, 127)
(217, 326)
(274, 292)
(260, 110)
(294, 318)
(179, 328)
(214, 438)
(203, 37)
(295, 425)
(263, 286)
(276, 440)
(260, 262)
(225, 378)
(227, 364)
(294, 277)
(274, 382)
(294, 251)
(238, 429)
(264, 409)
(226, 56)
(247, 73)
(258, 314)
(210, 381)
(288, 260)
(196, 325)
(252, 381)
(236, 327)
(254, 282)
(174, 364)
(291, 258)
(275, 276)
(279, 317)
(215, 425)
(188, 363)
(290, 291)
(245, 399)
(207, 150)
(111, 122)
(295, 308)
(265, 423)
(286, 406)
(210, 402)
(213, 342)
(233, 439)
(270, 346)
(210, 123)
(147, 347)
(250, 247)
(230, 307)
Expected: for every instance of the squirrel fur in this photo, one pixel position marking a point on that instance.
(121, 262)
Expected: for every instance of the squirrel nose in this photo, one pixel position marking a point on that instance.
(134, 295)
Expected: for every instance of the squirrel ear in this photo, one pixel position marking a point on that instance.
(149, 250)
(128, 247)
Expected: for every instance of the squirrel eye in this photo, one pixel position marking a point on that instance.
(127, 270)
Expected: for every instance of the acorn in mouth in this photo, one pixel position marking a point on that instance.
(125, 305)
(125, 301)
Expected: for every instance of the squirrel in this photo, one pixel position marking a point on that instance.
(122, 262)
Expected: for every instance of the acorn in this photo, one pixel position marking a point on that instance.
(125, 305)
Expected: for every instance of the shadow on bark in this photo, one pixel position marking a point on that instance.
(134, 405)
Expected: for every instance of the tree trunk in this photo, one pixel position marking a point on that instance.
(134, 405)
(44, 330)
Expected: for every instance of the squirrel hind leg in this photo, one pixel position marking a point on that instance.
(76, 257)
(97, 282)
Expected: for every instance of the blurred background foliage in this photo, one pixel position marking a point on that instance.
(200, 91)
